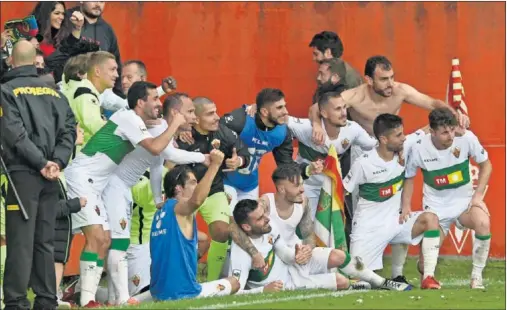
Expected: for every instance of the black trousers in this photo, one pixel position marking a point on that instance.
(345, 163)
(30, 258)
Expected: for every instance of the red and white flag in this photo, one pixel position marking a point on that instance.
(455, 90)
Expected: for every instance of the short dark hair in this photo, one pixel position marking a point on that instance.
(176, 176)
(139, 90)
(328, 39)
(268, 96)
(327, 88)
(385, 123)
(38, 52)
(373, 62)
(326, 97)
(140, 65)
(336, 66)
(442, 117)
(243, 209)
(290, 172)
(173, 101)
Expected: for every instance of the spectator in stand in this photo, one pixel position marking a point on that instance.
(96, 29)
(39, 59)
(54, 27)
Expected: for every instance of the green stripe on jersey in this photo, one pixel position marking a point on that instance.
(308, 153)
(380, 192)
(107, 142)
(261, 275)
(448, 178)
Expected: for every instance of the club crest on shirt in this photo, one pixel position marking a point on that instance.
(270, 239)
(136, 280)
(220, 287)
(456, 151)
(97, 210)
(345, 143)
(123, 223)
(236, 273)
(401, 159)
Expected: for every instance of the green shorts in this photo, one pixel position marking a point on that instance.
(215, 208)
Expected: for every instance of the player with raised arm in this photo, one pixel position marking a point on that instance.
(88, 174)
(379, 176)
(340, 132)
(444, 159)
(208, 134)
(289, 210)
(173, 242)
(178, 115)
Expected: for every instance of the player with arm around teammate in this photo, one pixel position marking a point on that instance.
(379, 175)
(173, 240)
(444, 159)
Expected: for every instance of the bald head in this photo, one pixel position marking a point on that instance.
(200, 103)
(23, 54)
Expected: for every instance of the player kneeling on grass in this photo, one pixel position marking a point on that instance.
(448, 190)
(288, 209)
(173, 241)
(379, 175)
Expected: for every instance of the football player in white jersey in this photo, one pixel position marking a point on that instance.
(289, 210)
(89, 172)
(340, 132)
(378, 175)
(448, 191)
(179, 116)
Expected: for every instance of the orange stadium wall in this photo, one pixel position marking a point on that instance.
(229, 51)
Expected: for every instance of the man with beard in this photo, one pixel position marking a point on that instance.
(330, 77)
(208, 134)
(340, 132)
(379, 175)
(96, 29)
(89, 172)
(263, 133)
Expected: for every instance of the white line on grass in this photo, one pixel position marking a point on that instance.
(450, 283)
(275, 299)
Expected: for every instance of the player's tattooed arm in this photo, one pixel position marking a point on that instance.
(306, 225)
(241, 239)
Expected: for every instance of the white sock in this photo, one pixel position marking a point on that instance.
(430, 250)
(102, 295)
(144, 297)
(111, 290)
(98, 273)
(480, 255)
(399, 256)
(354, 269)
(88, 277)
(118, 267)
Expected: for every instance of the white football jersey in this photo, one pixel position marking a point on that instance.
(446, 173)
(380, 184)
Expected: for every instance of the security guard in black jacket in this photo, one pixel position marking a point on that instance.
(38, 133)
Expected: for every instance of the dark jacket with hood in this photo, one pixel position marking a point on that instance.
(37, 124)
(63, 227)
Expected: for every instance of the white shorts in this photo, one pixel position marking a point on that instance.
(302, 278)
(319, 261)
(139, 262)
(216, 288)
(94, 213)
(236, 195)
(118, 201)
(370, 244)
(449, 215)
